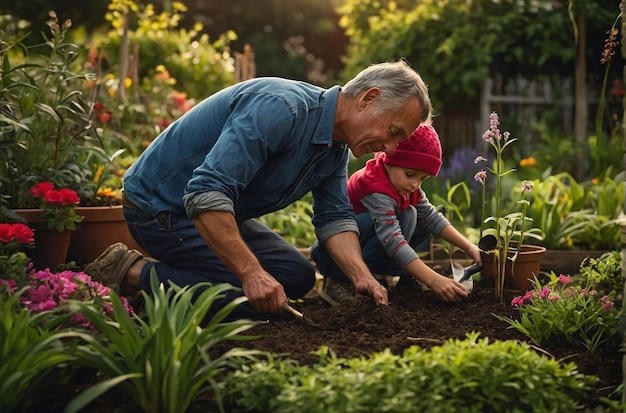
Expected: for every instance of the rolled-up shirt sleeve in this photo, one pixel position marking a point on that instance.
(332, 212)
(196, 203)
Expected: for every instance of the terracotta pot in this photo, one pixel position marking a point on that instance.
(101, 227)
(51, 246)
(523, 271)
(567, 261)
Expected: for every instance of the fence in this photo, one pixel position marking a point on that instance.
(517, 98)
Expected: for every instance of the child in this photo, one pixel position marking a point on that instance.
(394, 217)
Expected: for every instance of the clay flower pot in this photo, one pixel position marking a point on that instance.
(523, 271)
(51, 246)
(101, 227)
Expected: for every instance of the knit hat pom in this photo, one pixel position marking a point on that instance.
(421, 151)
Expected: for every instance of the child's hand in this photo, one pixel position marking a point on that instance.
(474, 254)
(447, 289)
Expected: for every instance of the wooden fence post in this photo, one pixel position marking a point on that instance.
(245, 67)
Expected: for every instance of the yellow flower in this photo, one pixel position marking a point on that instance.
(107, 193)
(98, 173)
(530, 161)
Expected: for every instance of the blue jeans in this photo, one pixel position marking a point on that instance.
(185, 259)
(373, 252)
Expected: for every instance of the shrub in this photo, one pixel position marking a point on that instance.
(604, 273)
(560, 308)
(468, 375)
(162, 360)
(29, 351)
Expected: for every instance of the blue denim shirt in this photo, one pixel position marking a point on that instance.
(250, 149)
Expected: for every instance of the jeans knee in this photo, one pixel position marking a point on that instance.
(302, 282)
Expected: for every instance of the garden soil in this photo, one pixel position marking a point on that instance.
(413, 317)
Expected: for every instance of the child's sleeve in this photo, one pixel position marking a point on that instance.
(382, 210)
(429, 217)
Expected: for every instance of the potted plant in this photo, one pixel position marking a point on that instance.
(47, 134)
(578, 220)
(510, 257)
(50, 135)
(52, 222)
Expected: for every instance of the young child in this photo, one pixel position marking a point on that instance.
(394, 217)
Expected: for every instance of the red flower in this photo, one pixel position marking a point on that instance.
(102, 114)
(58, 206)
(18, 232)
(40, 189)
(53, 197)
(63, 196)
(618, 89)
(23, 234)
(69, 196)
(104, 117)
(7, 232)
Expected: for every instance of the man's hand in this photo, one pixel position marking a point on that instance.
(264, 293)
(369, 286)
(346, 252)
(221, 234)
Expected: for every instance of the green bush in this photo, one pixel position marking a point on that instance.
(160, 75)
(293, 223)
(468, 375)
(456, 44)
(569, 311)
(604, 273)
(162, 360)
(31, 348)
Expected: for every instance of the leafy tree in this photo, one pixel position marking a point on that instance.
(456, 44)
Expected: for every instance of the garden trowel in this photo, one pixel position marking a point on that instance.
(299, 315)
(464, 275)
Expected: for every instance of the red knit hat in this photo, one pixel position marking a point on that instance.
(422, 151)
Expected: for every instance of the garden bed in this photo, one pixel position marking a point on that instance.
(414, 317)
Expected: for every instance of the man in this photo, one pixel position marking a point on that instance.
(191, 198)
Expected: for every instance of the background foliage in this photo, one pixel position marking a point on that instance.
(456, 44)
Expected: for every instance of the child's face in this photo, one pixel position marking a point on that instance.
(405, 180)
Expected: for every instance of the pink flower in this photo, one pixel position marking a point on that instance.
(518, 301)
(545, 293)
(607, 304)
(527, 186)
(10, 285)
(49, 291)
(480, 176)
(564, 279)
(488, 136)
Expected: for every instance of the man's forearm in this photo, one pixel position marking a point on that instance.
(345, 250)
(224, 239)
